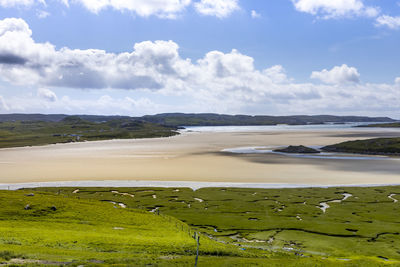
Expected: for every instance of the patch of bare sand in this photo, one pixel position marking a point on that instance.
(192, 157)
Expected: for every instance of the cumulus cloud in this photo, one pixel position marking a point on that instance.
(337, 75)
(218, 8)
(47, 94)
(397, 80)
(169, 9)
(144, 8)
(255, 15)
(388, 21)
(217, 82)
(335, 8)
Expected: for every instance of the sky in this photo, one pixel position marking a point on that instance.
(259, 57)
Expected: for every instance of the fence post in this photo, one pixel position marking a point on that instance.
(197, 238)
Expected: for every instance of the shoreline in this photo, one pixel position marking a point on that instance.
(238, 129)
(178, 184)
(88, 141)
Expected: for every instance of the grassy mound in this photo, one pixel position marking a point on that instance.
(298, 150)
(75, 129)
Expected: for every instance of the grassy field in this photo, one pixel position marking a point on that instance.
(47, 228)
(239, 227)
(74, 129)
(375, 146)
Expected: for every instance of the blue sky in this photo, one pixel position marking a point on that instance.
(226, 56)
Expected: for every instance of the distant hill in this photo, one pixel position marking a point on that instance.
(204, 119)
(76, 129)
(31, 117)
(56, 117)
(210, 119)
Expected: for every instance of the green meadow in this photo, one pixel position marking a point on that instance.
(374, 146)
(75, 129)
(237, 227)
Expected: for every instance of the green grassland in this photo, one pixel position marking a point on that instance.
(55, 229)
(74, 129)
(239, 227)
(375, 146)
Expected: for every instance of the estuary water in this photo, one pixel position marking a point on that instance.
(350, 126)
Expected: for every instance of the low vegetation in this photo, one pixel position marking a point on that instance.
(375, 146)
(298, 150)
(239, 227)
(75, 129)
(47, 228)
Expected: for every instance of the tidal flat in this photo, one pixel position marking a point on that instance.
(199, 156)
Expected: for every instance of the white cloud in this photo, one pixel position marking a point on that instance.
(161, 8)
(388, 21)
(218, 8)
(337, 75)
(41, 14)
(3, 105)
(47, 94)
(397, 80)
(217, 82)
(255, 15)
(20, 3)
(144, 8)
(335, 8)
(277, 74)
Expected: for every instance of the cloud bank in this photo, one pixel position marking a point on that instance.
(217, 82)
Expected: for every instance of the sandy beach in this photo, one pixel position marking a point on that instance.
(197, 156)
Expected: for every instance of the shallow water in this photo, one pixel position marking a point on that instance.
(322, 155)
(284, 127)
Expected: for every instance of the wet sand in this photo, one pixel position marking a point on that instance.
(197, 157)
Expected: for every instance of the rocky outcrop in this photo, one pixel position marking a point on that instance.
(298, 150)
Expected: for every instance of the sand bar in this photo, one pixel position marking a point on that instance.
(197, 157)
